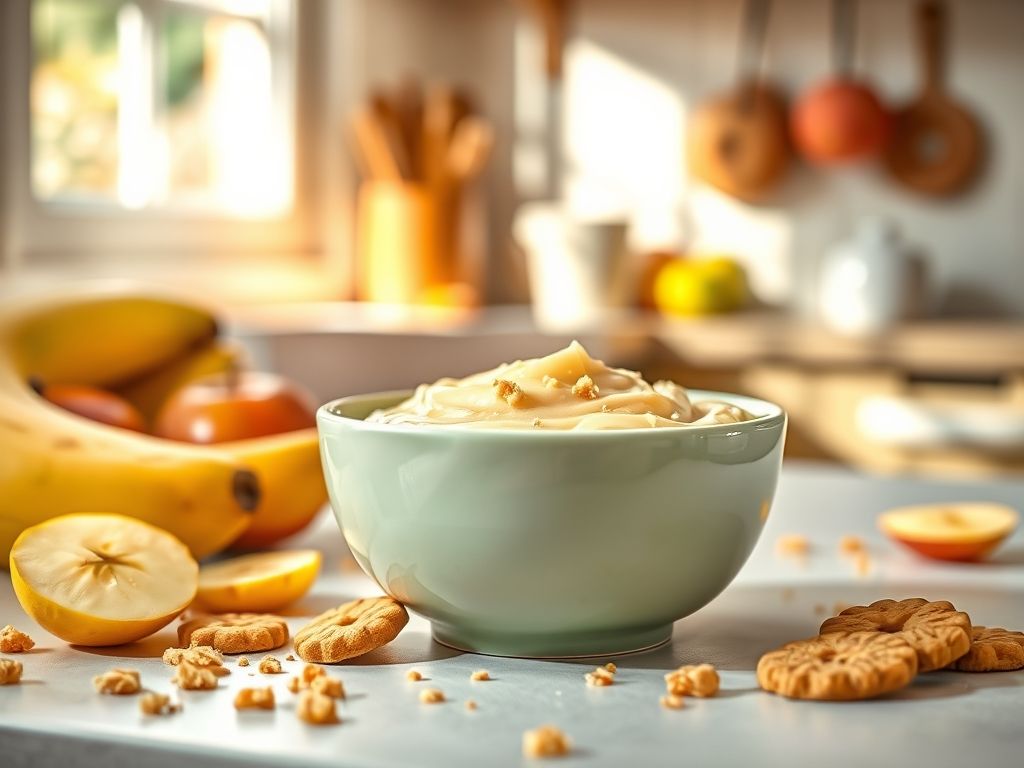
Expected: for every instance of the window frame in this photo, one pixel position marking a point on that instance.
(36, 232)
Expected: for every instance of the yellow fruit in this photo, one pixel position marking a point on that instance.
(699, 286)
(100, 579)
(149, 392)
(266, 581)
(291, 480)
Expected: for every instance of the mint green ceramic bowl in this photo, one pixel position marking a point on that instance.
(550, 544)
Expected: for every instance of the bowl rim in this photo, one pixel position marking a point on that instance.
(775, 416)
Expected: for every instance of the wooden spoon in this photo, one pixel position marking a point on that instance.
(938, 146)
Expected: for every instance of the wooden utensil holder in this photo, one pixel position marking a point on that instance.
(412, 238)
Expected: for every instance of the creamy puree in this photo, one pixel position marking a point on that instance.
(567, 390)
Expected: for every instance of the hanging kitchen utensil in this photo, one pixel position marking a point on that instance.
(739, 141)
(840, 120)
(937, 147)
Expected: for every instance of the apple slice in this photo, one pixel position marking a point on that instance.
(265, 581)
(958, 531)
(101, 579)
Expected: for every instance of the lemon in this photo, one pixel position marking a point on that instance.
(98, 579)
(265, 581)
(700, 286)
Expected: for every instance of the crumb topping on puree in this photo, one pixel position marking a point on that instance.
(567, 390)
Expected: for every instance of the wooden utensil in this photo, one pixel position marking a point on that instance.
(739, 141)
(470, 148)
(938, 146)
(376, 148)
(389, 123)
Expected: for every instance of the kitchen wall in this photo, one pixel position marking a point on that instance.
(635, 70)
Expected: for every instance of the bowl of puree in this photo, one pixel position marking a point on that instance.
(553, 507)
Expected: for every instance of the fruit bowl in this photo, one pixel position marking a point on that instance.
(550, 544)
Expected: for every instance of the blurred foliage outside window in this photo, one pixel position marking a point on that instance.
(161, 103)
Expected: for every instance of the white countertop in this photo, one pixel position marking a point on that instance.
(55, 718)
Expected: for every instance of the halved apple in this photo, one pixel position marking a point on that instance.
(957, 531)
(101, 579)
(266, 581)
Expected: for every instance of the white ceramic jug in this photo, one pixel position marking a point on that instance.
(865, 281)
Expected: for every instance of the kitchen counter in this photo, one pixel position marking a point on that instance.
(944, 719)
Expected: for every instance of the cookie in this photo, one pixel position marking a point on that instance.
(350, 630)
(993, 649)
(235, 632)
(839, 667)
(937, 631)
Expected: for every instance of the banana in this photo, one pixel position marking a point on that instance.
(101, 339)
(53, 462)
(149, 392)
(292, 481)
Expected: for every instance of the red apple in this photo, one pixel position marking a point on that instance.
(92, 403)
(235, 406)
(840, 121)
(960, 531)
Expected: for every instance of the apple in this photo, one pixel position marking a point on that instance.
(235, 406)
(92, 403)
(840, 121)
(958, 531)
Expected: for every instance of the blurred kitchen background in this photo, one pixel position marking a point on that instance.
(820, 202)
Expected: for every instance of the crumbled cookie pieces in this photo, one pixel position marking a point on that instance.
(117, 682)
(699, 680)
(154, 704)
(270, 666)
(189, 677)
(255, 698)
(15, 641)
(316, 708)
(545, 741)
(10, 672)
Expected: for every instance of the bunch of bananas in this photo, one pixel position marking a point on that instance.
(53, 462)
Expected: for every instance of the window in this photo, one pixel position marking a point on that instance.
(143, 103)
(149, 126)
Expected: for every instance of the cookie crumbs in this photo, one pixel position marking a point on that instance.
(294, 685)
(470, 705)
(413, 676)
(851, 545)
(509, 391)
(15, 641)
(545, 741)
(255, 698)
(310, 672)
(10, 672)
(270, 666)
(189, 677)
(290, 657)
(693, 680)
(117, 682)
(480, 674)
(550, 382)
(198, 656)
(610, 666)
(585, 388)
(316, 709)
(536, 422)
(328, 686)
(153, 703)
(599, 678)
(671, 701)
(792, 545)
(243, 661)
(431, 696)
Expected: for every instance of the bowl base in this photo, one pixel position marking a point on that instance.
(551, 645)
